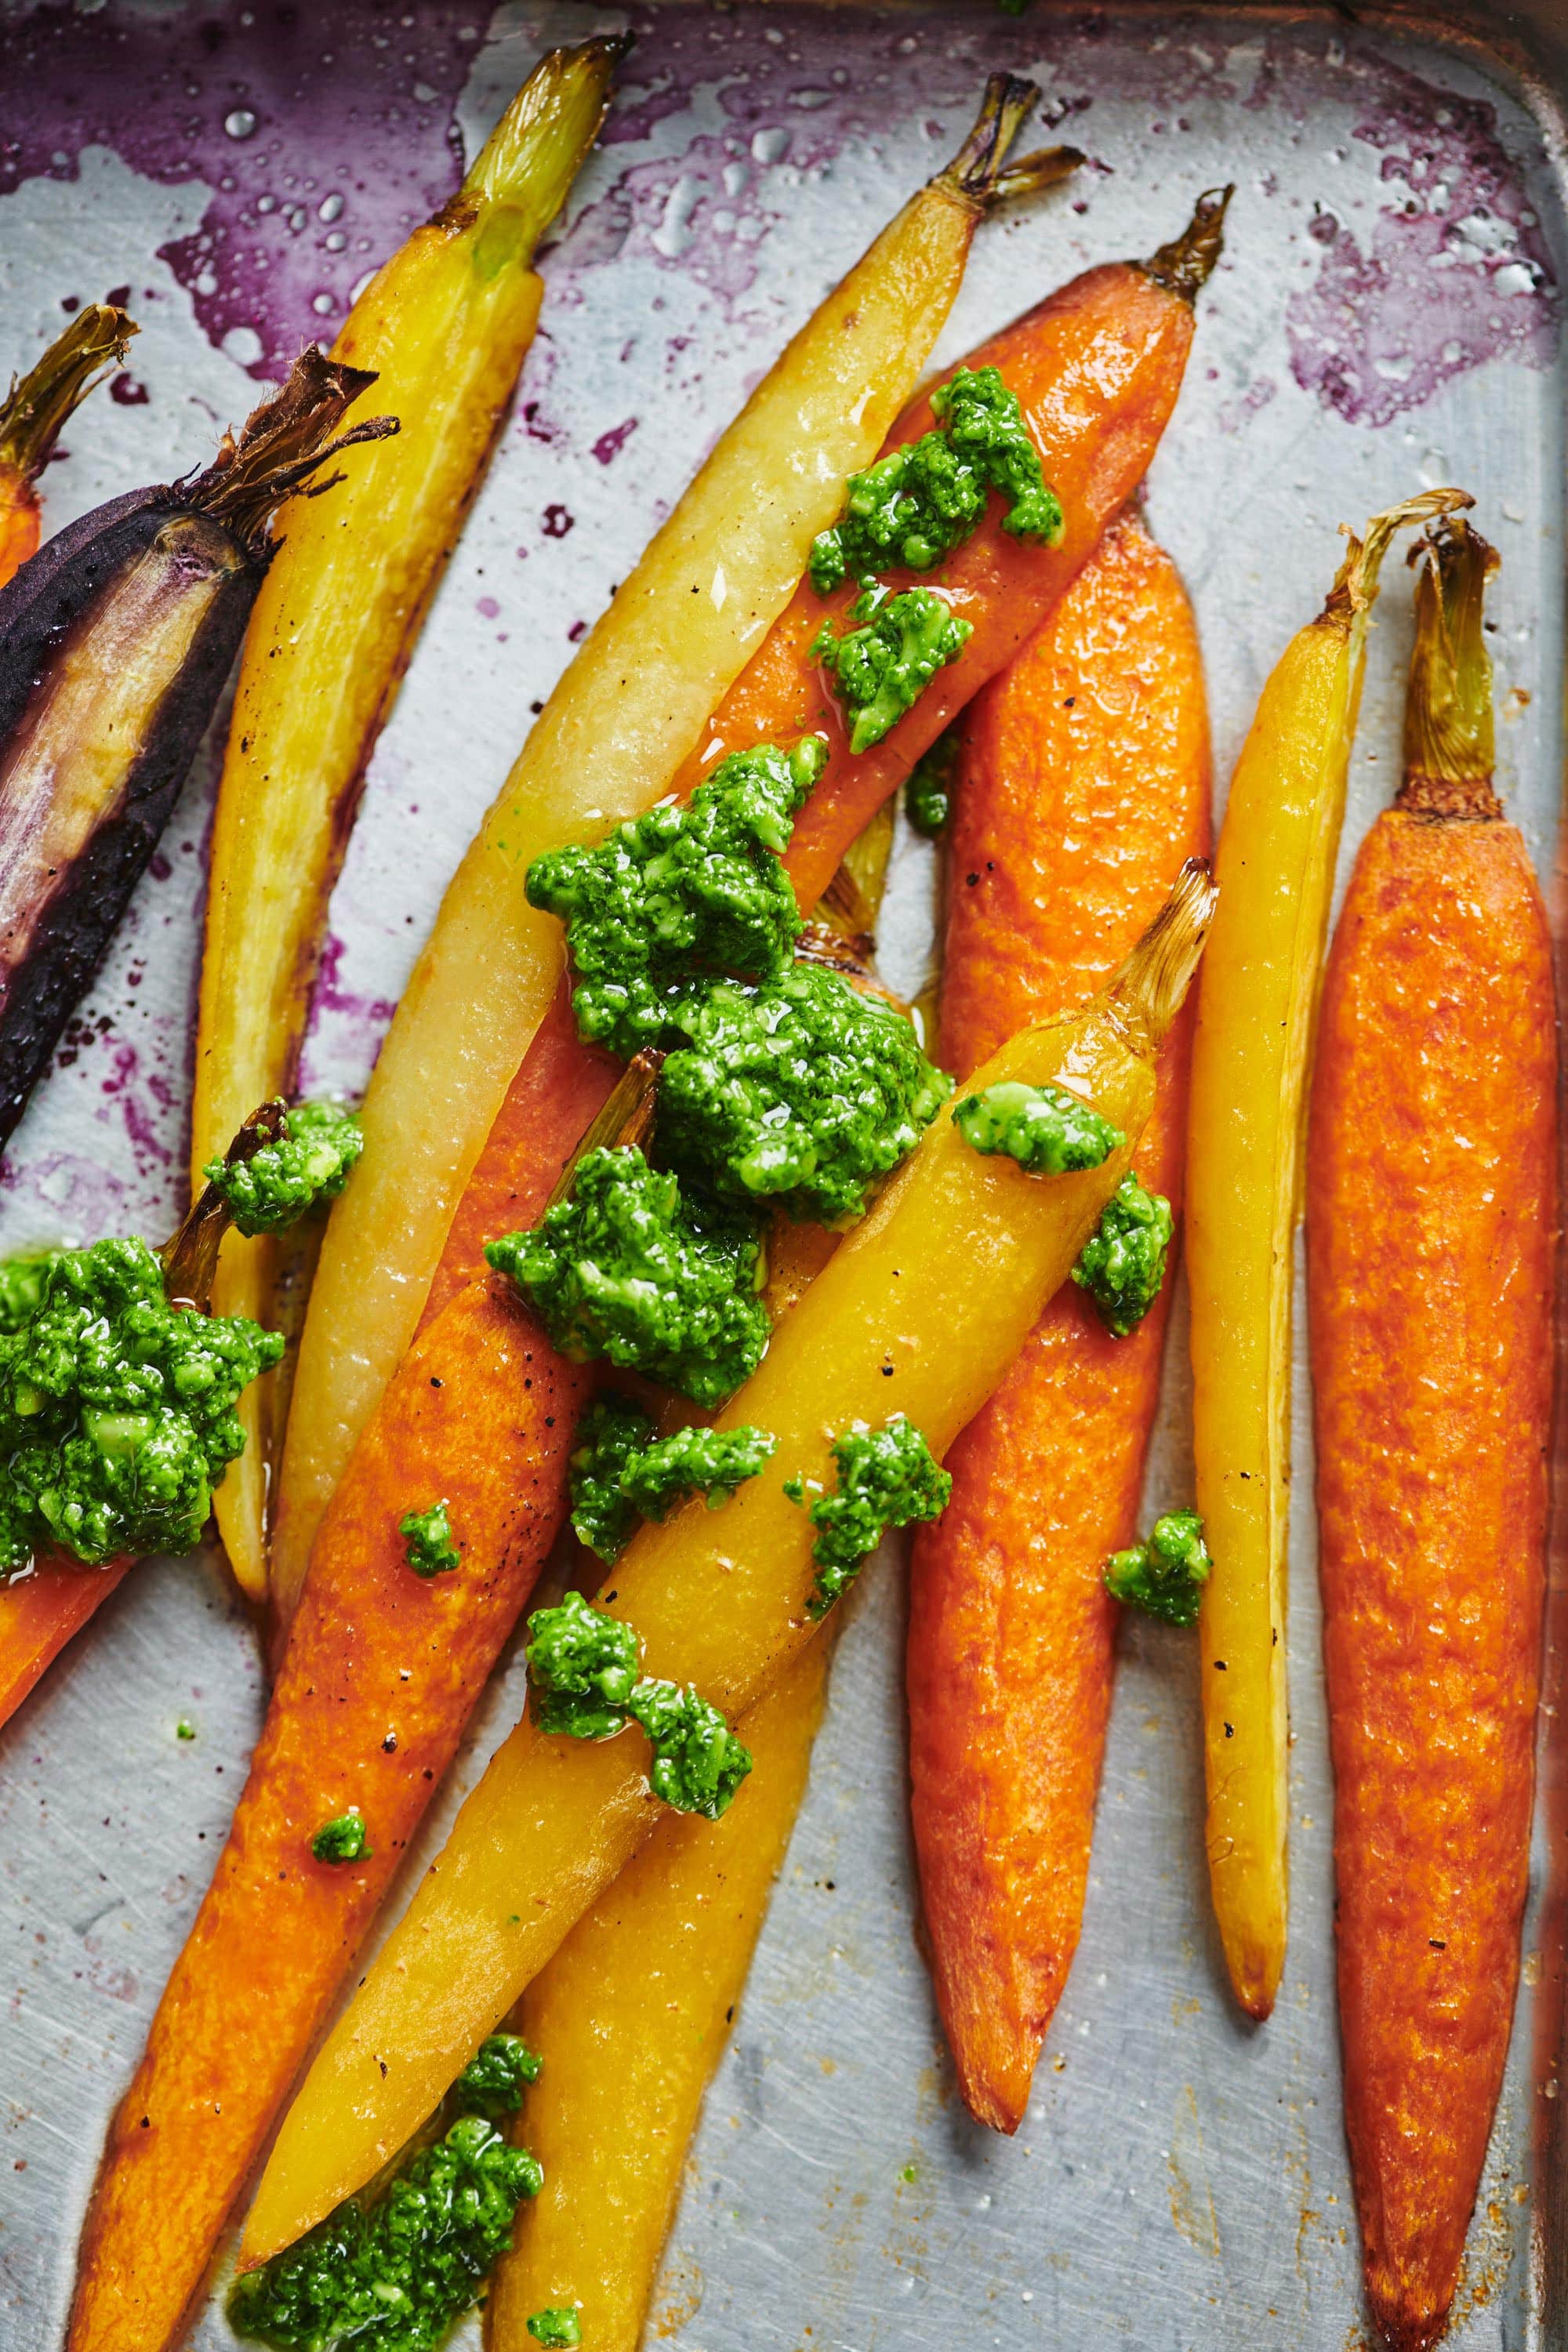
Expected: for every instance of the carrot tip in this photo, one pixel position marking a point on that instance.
(976, 169)
(1185, 265)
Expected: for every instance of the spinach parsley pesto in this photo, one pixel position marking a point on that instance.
(680, 889)
(557, 2326)
(21, 1289)
(621, 1472)
(1123, 1263)
(393, 2276)
(343, 1840)
(779, 1082)
(117, 1412)
(427, 1541)
(914, 505)
(583, 1664)
(881, 668)
(928, 787)
(1047, 1130)
(659, 1279)
(887, 1478)
(803, 1090)
(1165, 1576)
(309, 1162)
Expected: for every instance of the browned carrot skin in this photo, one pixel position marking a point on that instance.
(1431, 1213)
(1083, 783)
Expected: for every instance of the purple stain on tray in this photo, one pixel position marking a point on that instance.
(610, 445)
(324, 134)
(345, 1027)
(1454, 272)
(701, 212)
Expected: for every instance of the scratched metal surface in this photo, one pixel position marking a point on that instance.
(1386, 315)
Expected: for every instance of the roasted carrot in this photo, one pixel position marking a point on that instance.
(695, 606)
(445, 325)
(36, 411)
(379, 1677)
(921, 1309)
(1082, 784)
(39, 1615)
(634, 2012)
(1096, 369)
(1431, 1219)
(1256, 1008)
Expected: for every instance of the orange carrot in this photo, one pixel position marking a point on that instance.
(381, 1669)
(33, 413)
(1096, 368)
(1431, 1215)
(38, 1617)
(1083, 782)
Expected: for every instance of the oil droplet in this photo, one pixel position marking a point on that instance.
(241, 123)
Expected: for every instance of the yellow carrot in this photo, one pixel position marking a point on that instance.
(921, 1310)
(1257, 999)
(445, 325)
(633, 2014)
(682, 626)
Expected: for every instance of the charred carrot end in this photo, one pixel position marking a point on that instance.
(1431, 1217)
(1185, 265)
(1449, 740)
(980, 174)
(1083, 778)
(35, 410)
(381, 1670)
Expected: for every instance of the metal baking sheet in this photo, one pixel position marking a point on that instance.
(1387, 315)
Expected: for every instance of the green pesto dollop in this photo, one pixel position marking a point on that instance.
(888, 1478)
(610, 1434)
(556, 2325)
(428, 1541)
(914, 505)
(582, 1669)
(680, 889)
(621, 1472)
(1123, 1263)
(1047, 1130)
(343, 1840)
(881, 668)
(648, 1271)
(804, 1090)
(698, 1762)
(1165, 1576)
(117, 1410)
(493, 2080)
(986, 427)
(710, 1462)
(22, 1288)
(928, 787)
(581, 1666)
(393, 2276)
(310, 1162)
